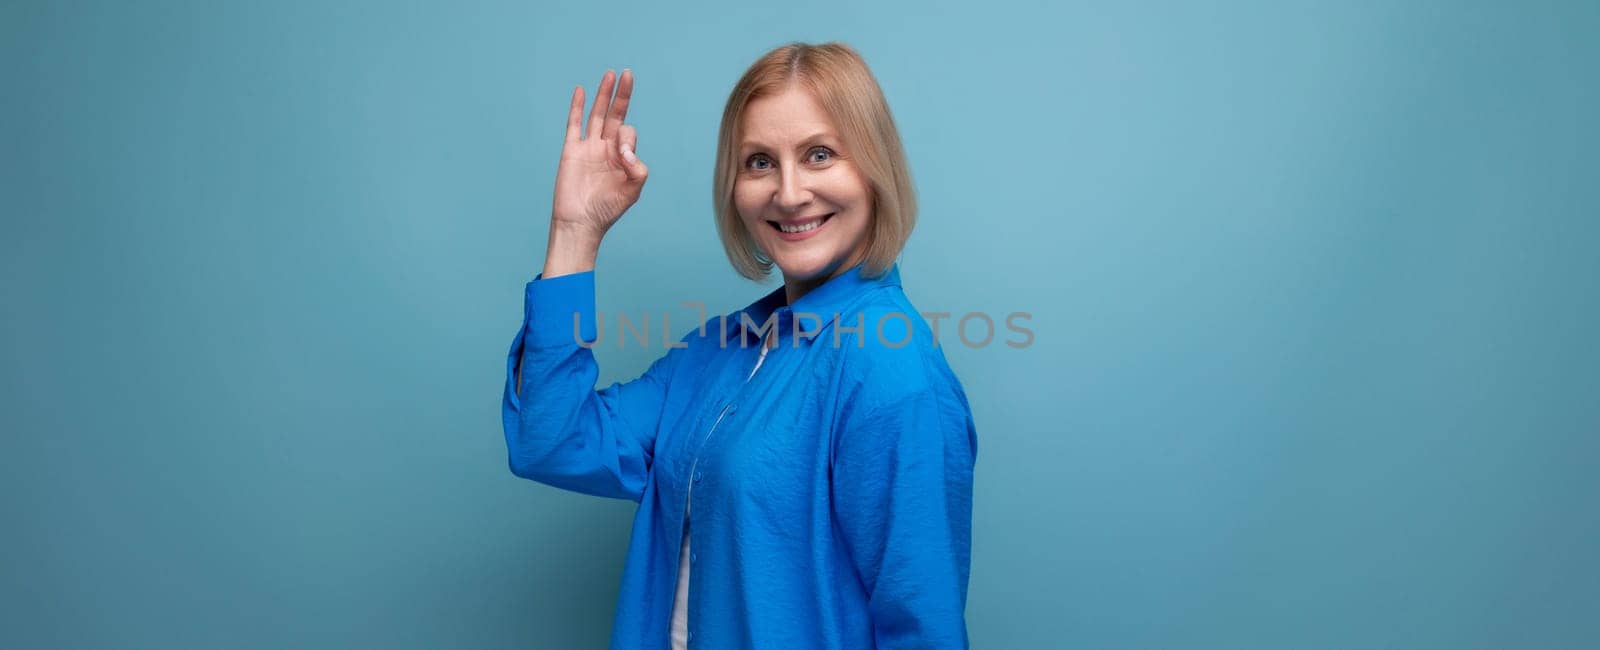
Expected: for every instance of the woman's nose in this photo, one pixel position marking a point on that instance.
(793, 192)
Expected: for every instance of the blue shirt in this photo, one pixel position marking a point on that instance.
(832, 496)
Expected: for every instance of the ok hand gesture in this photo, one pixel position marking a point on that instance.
(600, 176)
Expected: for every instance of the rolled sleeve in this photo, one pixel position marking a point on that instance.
(551, 304)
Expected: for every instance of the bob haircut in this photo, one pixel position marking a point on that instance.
(838, 78)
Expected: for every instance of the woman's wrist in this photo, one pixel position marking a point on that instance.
(572, 249)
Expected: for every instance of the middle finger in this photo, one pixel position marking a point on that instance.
(619, 106)
(602, 100)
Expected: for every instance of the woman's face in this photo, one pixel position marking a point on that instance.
(795, 177)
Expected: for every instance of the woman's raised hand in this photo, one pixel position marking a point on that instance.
(600, 175)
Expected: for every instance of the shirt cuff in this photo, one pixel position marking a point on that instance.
(549, 305)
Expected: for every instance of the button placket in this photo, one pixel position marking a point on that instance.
(696, 474)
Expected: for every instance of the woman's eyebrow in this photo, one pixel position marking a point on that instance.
(823, 135)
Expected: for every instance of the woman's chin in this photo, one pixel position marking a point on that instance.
(803, 270)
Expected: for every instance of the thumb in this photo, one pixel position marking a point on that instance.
(628, 142)
(635, 168)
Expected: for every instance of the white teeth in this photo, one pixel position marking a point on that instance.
(803, 228)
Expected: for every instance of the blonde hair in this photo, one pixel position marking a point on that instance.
(838, 78)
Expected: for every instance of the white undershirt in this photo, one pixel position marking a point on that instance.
(680, 604)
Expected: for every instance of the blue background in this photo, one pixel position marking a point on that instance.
(1314, 295)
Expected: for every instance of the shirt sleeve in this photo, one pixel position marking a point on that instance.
(902, 489)
(560, 430)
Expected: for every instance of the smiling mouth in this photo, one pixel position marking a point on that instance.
(813, 225)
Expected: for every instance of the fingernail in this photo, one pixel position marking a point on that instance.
(627, 154)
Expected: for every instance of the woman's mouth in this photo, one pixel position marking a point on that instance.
(801, 230)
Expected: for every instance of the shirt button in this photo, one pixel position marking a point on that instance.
(693, 557)
(698, 476)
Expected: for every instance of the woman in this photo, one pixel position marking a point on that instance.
(817, 438)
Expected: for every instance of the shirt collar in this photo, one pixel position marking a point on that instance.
(817, 307)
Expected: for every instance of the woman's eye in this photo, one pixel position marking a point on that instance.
(760, 162)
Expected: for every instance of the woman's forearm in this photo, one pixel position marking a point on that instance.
(559, 429)
(572, 249)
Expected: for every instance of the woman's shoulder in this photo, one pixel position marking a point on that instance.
(889, 352)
